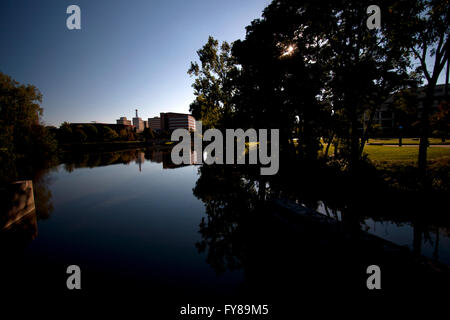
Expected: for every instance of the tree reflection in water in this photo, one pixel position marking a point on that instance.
(242, 230)
(230, 202)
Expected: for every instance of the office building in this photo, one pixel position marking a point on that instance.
(154, 123)
(171, 121)
(124, 121)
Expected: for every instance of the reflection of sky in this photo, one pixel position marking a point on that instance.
(403, 235)
(115, 216)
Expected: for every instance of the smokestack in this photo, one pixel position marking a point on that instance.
(136, 113)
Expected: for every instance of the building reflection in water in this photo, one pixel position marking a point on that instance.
(140, 159)
(164, 157)
(73, 161)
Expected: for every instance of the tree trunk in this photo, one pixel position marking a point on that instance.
(365, 135)
(354, 144)
(425, 128)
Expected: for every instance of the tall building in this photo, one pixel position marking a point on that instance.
(124, 121)
(138, 123)
(154, 123)
(171, 121)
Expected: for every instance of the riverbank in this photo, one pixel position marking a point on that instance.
(112, 145)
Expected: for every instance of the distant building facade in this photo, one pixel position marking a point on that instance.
(171, 121)
(154, 123)
(389, 122)
(138, 123)
(124, 121)
(168, 121)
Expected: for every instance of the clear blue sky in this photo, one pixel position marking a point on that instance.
(127, 55)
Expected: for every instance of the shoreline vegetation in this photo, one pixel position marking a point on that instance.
(112, 145)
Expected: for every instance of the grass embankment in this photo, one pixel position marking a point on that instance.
(398, 165)
(405, 154)
(406, 141)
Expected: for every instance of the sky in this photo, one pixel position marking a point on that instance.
(128, 54)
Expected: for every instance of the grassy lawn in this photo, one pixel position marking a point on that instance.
(405, 141)
(404, 154)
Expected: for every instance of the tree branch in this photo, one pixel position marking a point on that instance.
(422, 61)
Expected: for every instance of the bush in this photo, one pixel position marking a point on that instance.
(109, 134)
(80, 135)
(91, 132)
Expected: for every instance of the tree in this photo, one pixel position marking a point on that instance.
(22, 138)
(65, 133)
(306, 63)
(123, 135)
(109, 134)
(213, 84)
(91, 132)
(148, 134)
(433, 35)
(364, 69)
(423, 28)
(282, 76)
(80, 135)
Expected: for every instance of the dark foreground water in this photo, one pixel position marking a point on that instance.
(134, 223)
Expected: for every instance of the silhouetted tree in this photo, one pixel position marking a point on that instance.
(307, 64)
(422, 27)
(79, 134)
(213, 86)
(148, 134)
(22, 138)
(91, 132)
(109, 134)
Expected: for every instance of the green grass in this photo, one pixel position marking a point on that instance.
(404, 154)
(406, 141)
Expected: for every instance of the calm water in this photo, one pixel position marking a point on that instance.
(136, 222)
(133, 221)
(435, 243)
